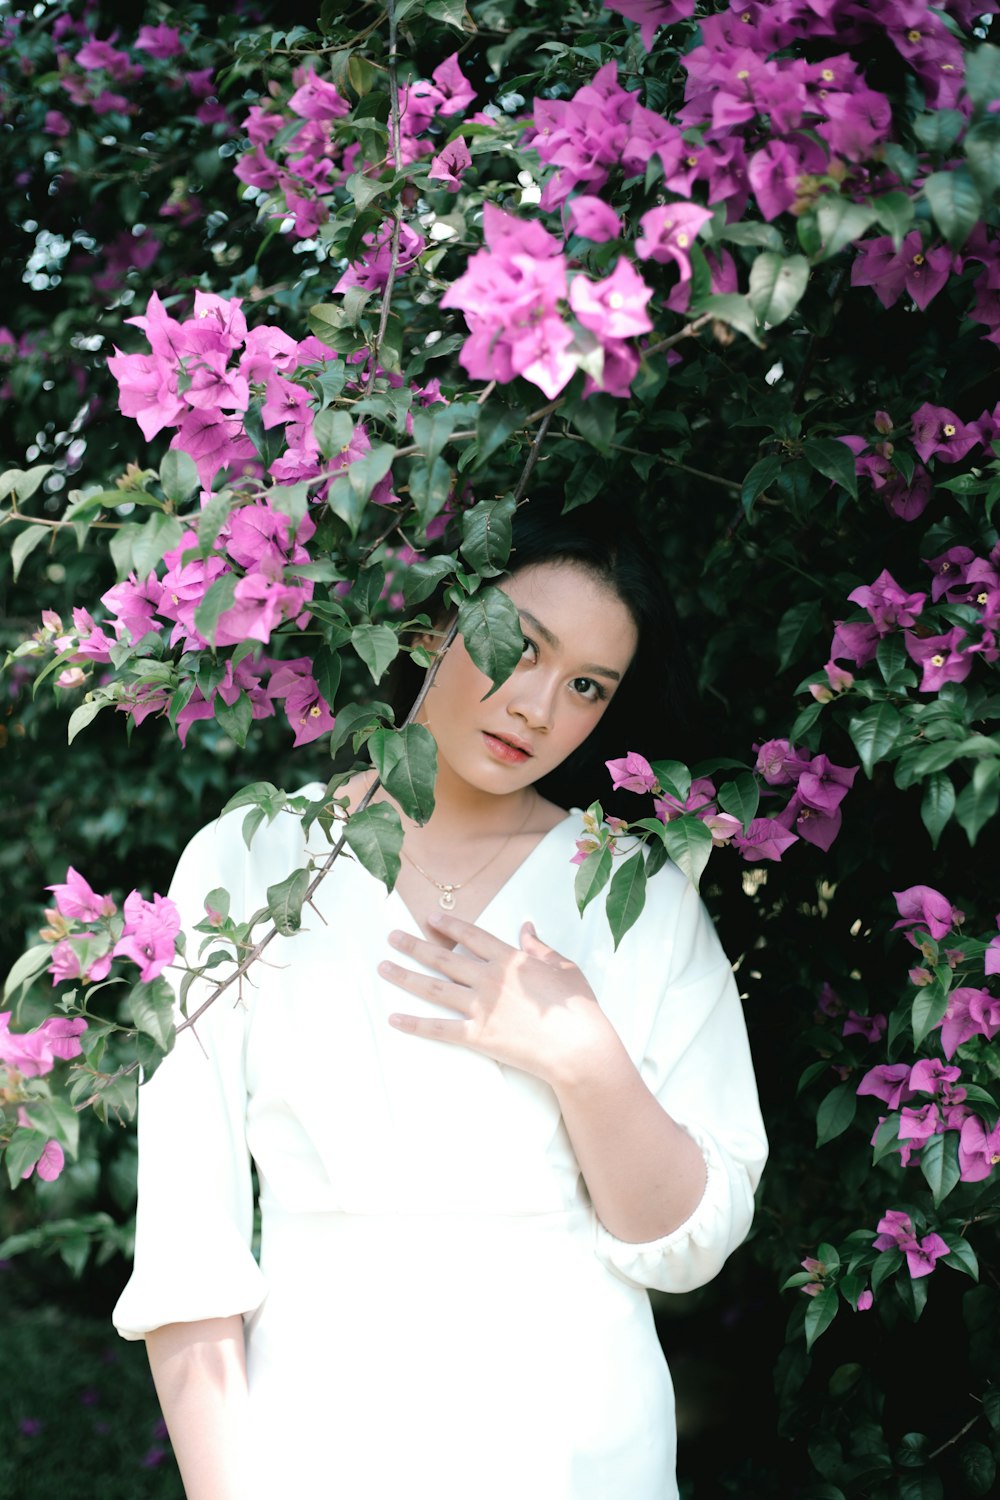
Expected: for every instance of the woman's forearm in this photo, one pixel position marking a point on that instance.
(645, 1175)
(199, 1370)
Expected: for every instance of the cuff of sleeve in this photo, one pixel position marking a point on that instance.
(694, 1252)
(179, 1293)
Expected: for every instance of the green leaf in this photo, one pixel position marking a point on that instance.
(891, 656)
(674, 777)
(626, 895)
(740, 797)
(423, 577)
(212, 519)
(735, 310)
(955, 203)
(834, 460)
(326, 670)
(895, 213)
(333, 431)
(982, 74)
(939, 130)
(978, 1466)
(820, 1314)
(178, 475)
(777, 285)
(151, 1007)
(491, 629)
(377, 645)
(486, 535)
(961, 1256)
(689, 844)
(978, 800)
(797, 629)
(592, 876)
(433, 426)
(235, 718)
(430, 486)
(25, 970)
(835, 1113)
(375, 836)
(839, 222)
(217, 600)
(874, 733)
(258, 794)
(929, 1006)
(406, 762)
(495, 423)
(595, 419)
(85, 714)
(24, 544)
(939, 1165)
(284, 901)
(764, 472)
(23, 1152)
(937, 805)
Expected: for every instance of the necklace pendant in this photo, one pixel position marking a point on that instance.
(446, 900)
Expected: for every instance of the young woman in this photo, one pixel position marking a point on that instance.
(480, 1133)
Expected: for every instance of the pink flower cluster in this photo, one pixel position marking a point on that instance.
(896, 1232)
(84, 74)
(516, 295)
(33, 1054)
(921, 271)
(146, 935)
(813, 810)
(936, 433)
(960, 577)
(308, 162)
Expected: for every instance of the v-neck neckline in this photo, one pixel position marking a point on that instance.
(574, 812)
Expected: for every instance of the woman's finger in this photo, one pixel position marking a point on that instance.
(440, 991)
(459, 967)
(474, 939)
(432, 1028)
(532, 944)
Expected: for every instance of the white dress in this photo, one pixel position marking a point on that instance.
(437, 1314)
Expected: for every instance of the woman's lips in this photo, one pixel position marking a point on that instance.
(499, 748)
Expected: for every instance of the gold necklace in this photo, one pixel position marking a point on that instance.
(446, 900)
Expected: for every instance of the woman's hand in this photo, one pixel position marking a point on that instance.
(528, 1006)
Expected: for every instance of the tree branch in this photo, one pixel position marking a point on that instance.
(395, 139)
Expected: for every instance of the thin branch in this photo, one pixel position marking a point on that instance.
(970, 1424)
(396, 140)
(17, 515)
(532, 458)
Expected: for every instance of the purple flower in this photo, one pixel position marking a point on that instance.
(936, 430)
(889, 1082)
(315, 99)
(450, 163)
(921, 906)
(593, 219)
(159, 41)
(916, 1126)
(614, 308)
(148, 935)
(649, 14)
(454, 89)
(930, 1076)
(978, 1149)
(56, 123)
(872, 1028)
(940, 657)
(951, 570)
(889, 271)
(823, 786)
(921, 1258)
(887, 603)
(971, 1012)
(633, 773)
(668, 233)
(776, 169)
(765, 838)
(908, 499)
(895, 1231)
(855, 640)
(78, 902)
(865, 1300)
(306, 709)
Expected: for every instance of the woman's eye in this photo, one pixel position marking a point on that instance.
(530, 649)
(589, 689)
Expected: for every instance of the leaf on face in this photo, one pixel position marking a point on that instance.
(490, 626)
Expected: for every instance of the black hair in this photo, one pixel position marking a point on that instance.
(652, 708)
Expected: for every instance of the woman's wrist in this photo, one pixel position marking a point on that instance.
(590, 1056)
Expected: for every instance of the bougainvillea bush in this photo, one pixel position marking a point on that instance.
(309, 313)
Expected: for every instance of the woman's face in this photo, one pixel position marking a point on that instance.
(579, 640)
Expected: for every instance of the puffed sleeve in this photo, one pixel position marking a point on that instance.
(195, 1212)
(697, 1063)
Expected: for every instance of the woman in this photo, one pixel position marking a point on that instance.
(480, 1133)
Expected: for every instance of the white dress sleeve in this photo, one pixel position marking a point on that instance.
(195, 1212)
(697, 1063)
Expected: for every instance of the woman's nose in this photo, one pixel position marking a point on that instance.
(533, 701)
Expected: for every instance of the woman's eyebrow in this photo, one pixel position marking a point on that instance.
(553, 640)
